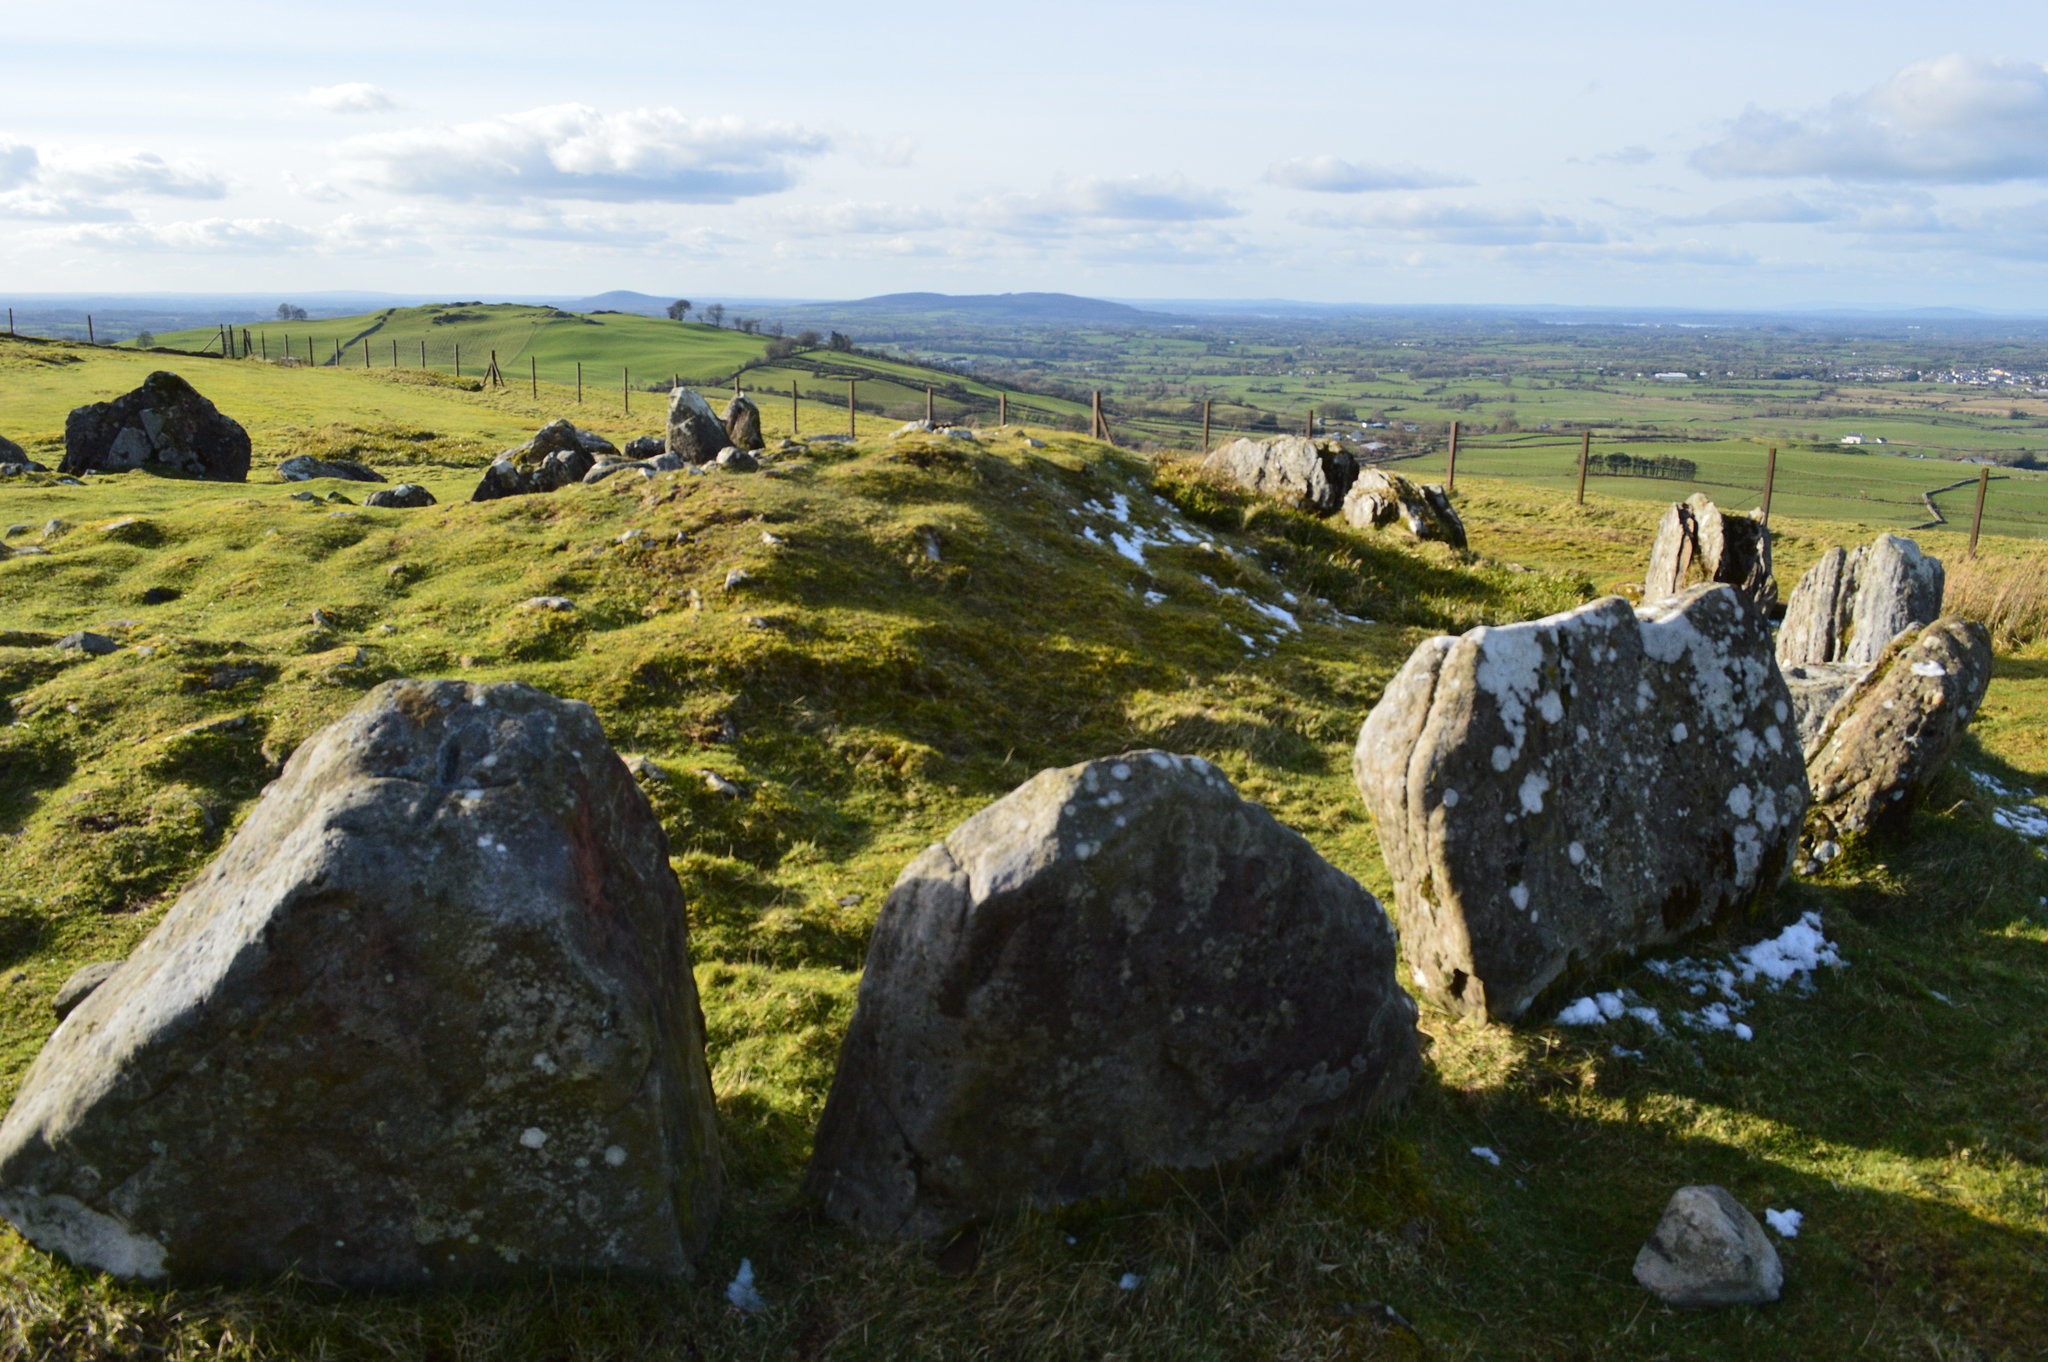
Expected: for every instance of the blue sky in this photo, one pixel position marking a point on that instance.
(1743, 155)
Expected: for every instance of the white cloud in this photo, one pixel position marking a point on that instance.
(242, 236)
(1946, 120)
(1330, 175)
(854, 218)
(1417, 219)
(351, 97)
(1773, 208)
(1093, 203)
(18, 163)
(571, 151)
(97, 172)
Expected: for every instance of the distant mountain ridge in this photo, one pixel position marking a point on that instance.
(1022, 307)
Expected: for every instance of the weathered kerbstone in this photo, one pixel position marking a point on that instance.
(164, 422)
(1301, 472)
(428, 1018)
(304, 468)
(1554, 793)
(1699, 542)
(1117, 968)
(1708, 1250)
(742, 422)
(1851, 604)
(1381, 498)
(695, 434)
(1882, 744)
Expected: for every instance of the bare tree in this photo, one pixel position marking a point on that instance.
(679, 310)
(715, 314)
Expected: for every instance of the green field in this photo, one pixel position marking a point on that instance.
(866, 698)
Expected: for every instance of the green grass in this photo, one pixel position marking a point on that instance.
(867, 698)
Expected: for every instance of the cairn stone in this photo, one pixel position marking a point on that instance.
(164, 422)
(643, 447)
(1380, 498)
(1708, 1250)
(406, 495)
(1882, 744)
(1307, 474)
(1699, 542)
(695, 434)
(1117, 968)
(1852, 603)
(12, 454)
(742, 422)
(1553, 794)
(428, 1019)
(738, 461)
(304, 468)
(558, 454)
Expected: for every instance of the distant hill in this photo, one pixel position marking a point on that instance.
(619, 300)
(1016, 307)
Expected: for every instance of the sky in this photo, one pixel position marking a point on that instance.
(1743, 155)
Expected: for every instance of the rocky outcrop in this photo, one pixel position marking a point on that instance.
(1883, 742)
(1380, 498)
(428, 1018)
(1552, 794)
(304, 468)
(559, 453)
(695, 434)
(1851, 604)
(1708, 1250)
(1307, 474)
(1699, 542)
(408, 495)
(742, 422)
(165, 423)
(1117, 968)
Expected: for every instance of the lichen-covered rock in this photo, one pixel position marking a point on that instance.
(164, 422)
(695, 434)
(407, 495)
(742, 422)
(1551, 794)
(1117, 968)
(501, 479)
(428, 1018)
(1708, 1250)
(1817, 687)
(1303, 473)
(738, 461)
(304, 468)
(1851, 604)
(1699, 542)
(1883, 743)
(1380, 498)
(558, 454)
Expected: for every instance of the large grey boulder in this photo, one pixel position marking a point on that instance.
(695, 434)
(1552, 794)
(1881, 745)
(1380, 498)
(304, 468)
(428, 1018)
(1293, 469)
(164, 422)
(1117, 968)
(1851, 604)
(1699, 542)
(742, 422)
(558, 454)
(1708, 1250)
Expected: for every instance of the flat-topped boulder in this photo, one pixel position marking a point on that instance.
(165, 423)
(428, 1018)
(1553, 794)
(1379, 498)
(1850, 605)
(1306, 474)
(1118, 968)
(1881, 744)
(1699, 542)
(695, 434)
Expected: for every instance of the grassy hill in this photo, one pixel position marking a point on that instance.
(865, 698)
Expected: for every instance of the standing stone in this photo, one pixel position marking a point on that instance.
(742, 422)
(1380, 498)
(164, 422)
(1850, 605)
(1555, 793)
(1118, 968)
(1708, 1250)
(429, 1018)
(695, 434)
(1883, 743)
(1699, 542)
(1293, 469)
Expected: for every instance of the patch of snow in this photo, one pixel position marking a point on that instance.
(1928, 669)
(1480, 1151)
(1130, 1281)
(1786, 1223)
(740, 1290)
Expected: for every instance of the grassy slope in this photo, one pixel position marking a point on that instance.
(867, 698)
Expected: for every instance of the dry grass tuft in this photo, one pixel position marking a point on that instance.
(2009, 596)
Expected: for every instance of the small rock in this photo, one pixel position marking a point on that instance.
(336, 498)
(738, 461)
(80, 985)
(1708, 1250)
(304, 468)
(160, 595)
(645, 769)
(406, 495)
(302, 496)
(642, 447)
(55, 529)
(98, 645)
(630, 536)
(736, 578)
(554, 603)
(720, 786)
(773, 541)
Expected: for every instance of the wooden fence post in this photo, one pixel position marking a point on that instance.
(88, 330)
(366, 352)
(1977, 521)
(1770, 479)
(458, 359)
(10, 321)
(263, 339)
(309, 352)
(1451, 466)
(579, 382)
(1205, 425)
(494, 374)
(337, 352)
(929, 407)
(1311, 431)
(423, 354)
(626, 388)
(852, 421)
(1002, 409)
(394, 354)
(1095, 415)
(795, 416)
(1585, 454)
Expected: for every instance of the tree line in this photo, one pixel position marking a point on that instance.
(1625, 465)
